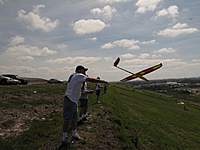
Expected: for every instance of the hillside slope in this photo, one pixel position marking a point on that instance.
(148, 120)
(125, 119)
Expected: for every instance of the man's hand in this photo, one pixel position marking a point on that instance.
(89, 91)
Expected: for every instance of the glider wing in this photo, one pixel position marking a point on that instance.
(141, 73)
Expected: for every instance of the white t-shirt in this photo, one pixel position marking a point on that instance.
(73, 90)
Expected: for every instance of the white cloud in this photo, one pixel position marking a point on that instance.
(106, 12)
(93, 39)
(26, 58)
(174, 62)
(113, 1)
(148, 42)
(14, 69)
(140, 62)
(68, 64)
(107, 58)
(146, 60)
(166, 50)
(30, 71)
(88, 26)
(17, 47)
(156, 56)
(74, 60)
(173, 67)
(171, 12)
(107, 46)
(128, 56)
(144, 55)
(196, 60)
(16, 40)
(18, 53)
(147, 5)
(62, 46)
(176, 30)
(180, 26)
(33, 20)
(29, 50)
(123, 43)
(36, 9)
(162, 12)
(2, 2)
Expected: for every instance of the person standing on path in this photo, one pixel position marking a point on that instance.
(98, 90)
(72, 95)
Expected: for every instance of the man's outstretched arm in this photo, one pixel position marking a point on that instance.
(93, 80)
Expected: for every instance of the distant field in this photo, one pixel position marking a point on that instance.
(31, 118)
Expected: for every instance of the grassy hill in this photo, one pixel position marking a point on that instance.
(150, 120)
(126, 119)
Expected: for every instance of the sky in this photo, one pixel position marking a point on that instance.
(48, 39)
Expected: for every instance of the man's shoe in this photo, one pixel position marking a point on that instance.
(76, 136)
(79, 122)
(84, 118)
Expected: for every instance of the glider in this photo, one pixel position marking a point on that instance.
(139, 74)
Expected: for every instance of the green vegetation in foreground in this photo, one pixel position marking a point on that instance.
(142, 119)
(149, 120)
(40, 133)
(15, 96)
(18, 90)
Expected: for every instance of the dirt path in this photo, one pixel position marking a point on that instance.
(98, 132)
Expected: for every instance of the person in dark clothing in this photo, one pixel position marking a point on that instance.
(105, 88)
(98, 90)
(84, 102)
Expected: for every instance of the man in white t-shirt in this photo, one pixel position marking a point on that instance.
(72, 95)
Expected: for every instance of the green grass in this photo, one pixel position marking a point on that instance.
(16, 96)
(142, 119)
(46, 89)
(40, 132)
(154, 119)
(184, 95)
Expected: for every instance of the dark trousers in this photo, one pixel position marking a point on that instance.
(70, 115)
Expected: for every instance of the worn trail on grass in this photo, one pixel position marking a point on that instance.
(98, 131)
